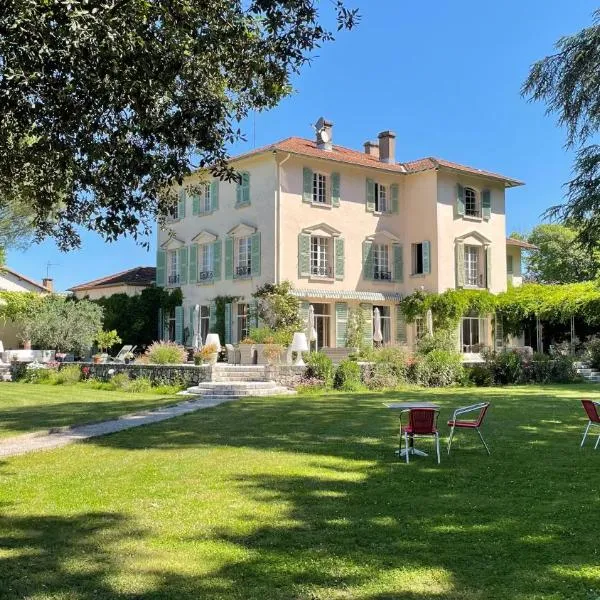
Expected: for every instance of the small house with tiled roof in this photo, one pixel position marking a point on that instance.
(351, 230)
(130, 282)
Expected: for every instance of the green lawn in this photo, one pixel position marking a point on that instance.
(303, 499)
(25, 407)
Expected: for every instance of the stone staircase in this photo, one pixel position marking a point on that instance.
(229, 382)
(589, 374)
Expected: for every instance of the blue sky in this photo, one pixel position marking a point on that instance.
(445, 76)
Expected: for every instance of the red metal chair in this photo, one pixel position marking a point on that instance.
(457, 423)
(422, 422)
(591, 408)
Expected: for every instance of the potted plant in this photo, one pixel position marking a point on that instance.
(273, 352)
(105, 340)
(247, 351)
(209, 353)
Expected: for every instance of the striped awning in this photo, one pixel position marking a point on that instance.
(348, 295)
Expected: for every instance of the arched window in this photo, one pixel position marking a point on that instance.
(471, 203)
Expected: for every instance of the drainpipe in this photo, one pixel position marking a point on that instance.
(278, 216)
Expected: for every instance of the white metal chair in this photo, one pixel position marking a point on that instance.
(457, 422)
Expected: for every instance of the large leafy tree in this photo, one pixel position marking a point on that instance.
(107, 104)
(569, 83)
(560, 258)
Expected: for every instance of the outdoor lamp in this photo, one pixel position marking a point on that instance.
(299, 345)
(213, 338)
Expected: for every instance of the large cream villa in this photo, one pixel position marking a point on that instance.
(347, 228)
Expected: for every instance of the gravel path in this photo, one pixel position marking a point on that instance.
(33, 442)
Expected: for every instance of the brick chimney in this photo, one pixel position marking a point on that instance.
(372, 149)
(48, 284)
(387, 146)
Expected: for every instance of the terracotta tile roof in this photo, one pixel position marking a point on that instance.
(144, 276)
(304, 147)
(23, 278)
(520, 243)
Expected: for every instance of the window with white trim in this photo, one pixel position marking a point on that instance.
(320, 259)
(204, 321)
(319, 188)
(471, 334)
(242, 321)
(205, 199)
(173, 268)
(381, 262)
(243, 256)
(417, 259)
(472, 208)
(205, 263)
(473, 271)
(381, 198)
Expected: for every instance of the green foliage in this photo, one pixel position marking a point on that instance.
(38, 373)
(355, 328)
(506, 367)
(480, 375)
(266, 335)
(165, 353)
(63, 324)
(438, 368)
(319, 366)
(382, 376)
(277, 307)
(347, 376)
(220, 302)
(442, 339)
(68, 375)
(592, 351)
(14, 306)
(395, 358)
(107, 339)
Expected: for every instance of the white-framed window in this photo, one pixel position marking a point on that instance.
(473, 275)
(242, 321)
(243, 256)
(204, 321)
(381, 198)
(472, 208)
(205, 263)
(471, 334)
(417, 259)
(381, 262)
(205, 199)
(173, 268)
(386, 323)
(322, 319)
(319, 188)
(320, 263)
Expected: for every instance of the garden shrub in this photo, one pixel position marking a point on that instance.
(481, 376)
(347, 376)
(592, 352)
(38, 373)
(319, 366)
(139, 385)
(120, 381)
(546, 369)
(564, 370)
(438, 368)
(68, 375)
(442, 339)
(382, 376)
(396, 358)
(166, 353)
(506, 367)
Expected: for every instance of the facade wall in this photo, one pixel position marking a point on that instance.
(104, 292)
(12, 283)
(515, 278)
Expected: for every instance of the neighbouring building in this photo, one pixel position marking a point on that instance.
(11, 281)
(347, 228)
(130, 282)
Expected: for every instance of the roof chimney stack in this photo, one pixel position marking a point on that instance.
(387, 146)
(324, 131)
(372, 149)
(48, 284)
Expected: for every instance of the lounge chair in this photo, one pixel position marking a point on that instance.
(120, 357)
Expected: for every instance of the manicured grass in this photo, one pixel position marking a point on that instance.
(26, 407)
(303, 499)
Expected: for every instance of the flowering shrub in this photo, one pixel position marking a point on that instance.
(165, 353)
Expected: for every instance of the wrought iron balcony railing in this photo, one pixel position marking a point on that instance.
(173, 279)
(320, 270)
(206, 275)
(243, 271)
(382, 275)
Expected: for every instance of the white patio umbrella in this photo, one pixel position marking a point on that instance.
(429, 319)
(196, 328)
(311, 330)
(377, 334)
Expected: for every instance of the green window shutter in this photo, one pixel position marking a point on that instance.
(368, 265)
(339, 258)
(303, 314)
(335, 189)
(486, 204)
(488, 267)
(238, 192)
(181, 204)
(509, 265)
(426, 257)
(398, 263)
(256, 254)
(195, 204)
(190, 328)
(304, 255)
(179, 324)
(182, 259)
(341, 324)
(253, 314)
(245, 188)
(228, 257)
(214, 194)
(160, 324)
(460, 264)
(460, 200)
(217, 260)
(368, 328)
(370, 202)
(307, 179)
(161, 268)
(228, 323)
(212, 316)
(395, 191)
(193, 267)
(400, 326)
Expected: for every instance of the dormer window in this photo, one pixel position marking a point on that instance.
(471, 203)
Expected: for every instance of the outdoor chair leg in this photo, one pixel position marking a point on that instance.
(450, 440)
(597, 441)
(406, 446)
(483, 441)
(437, 445)
(585, 434)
